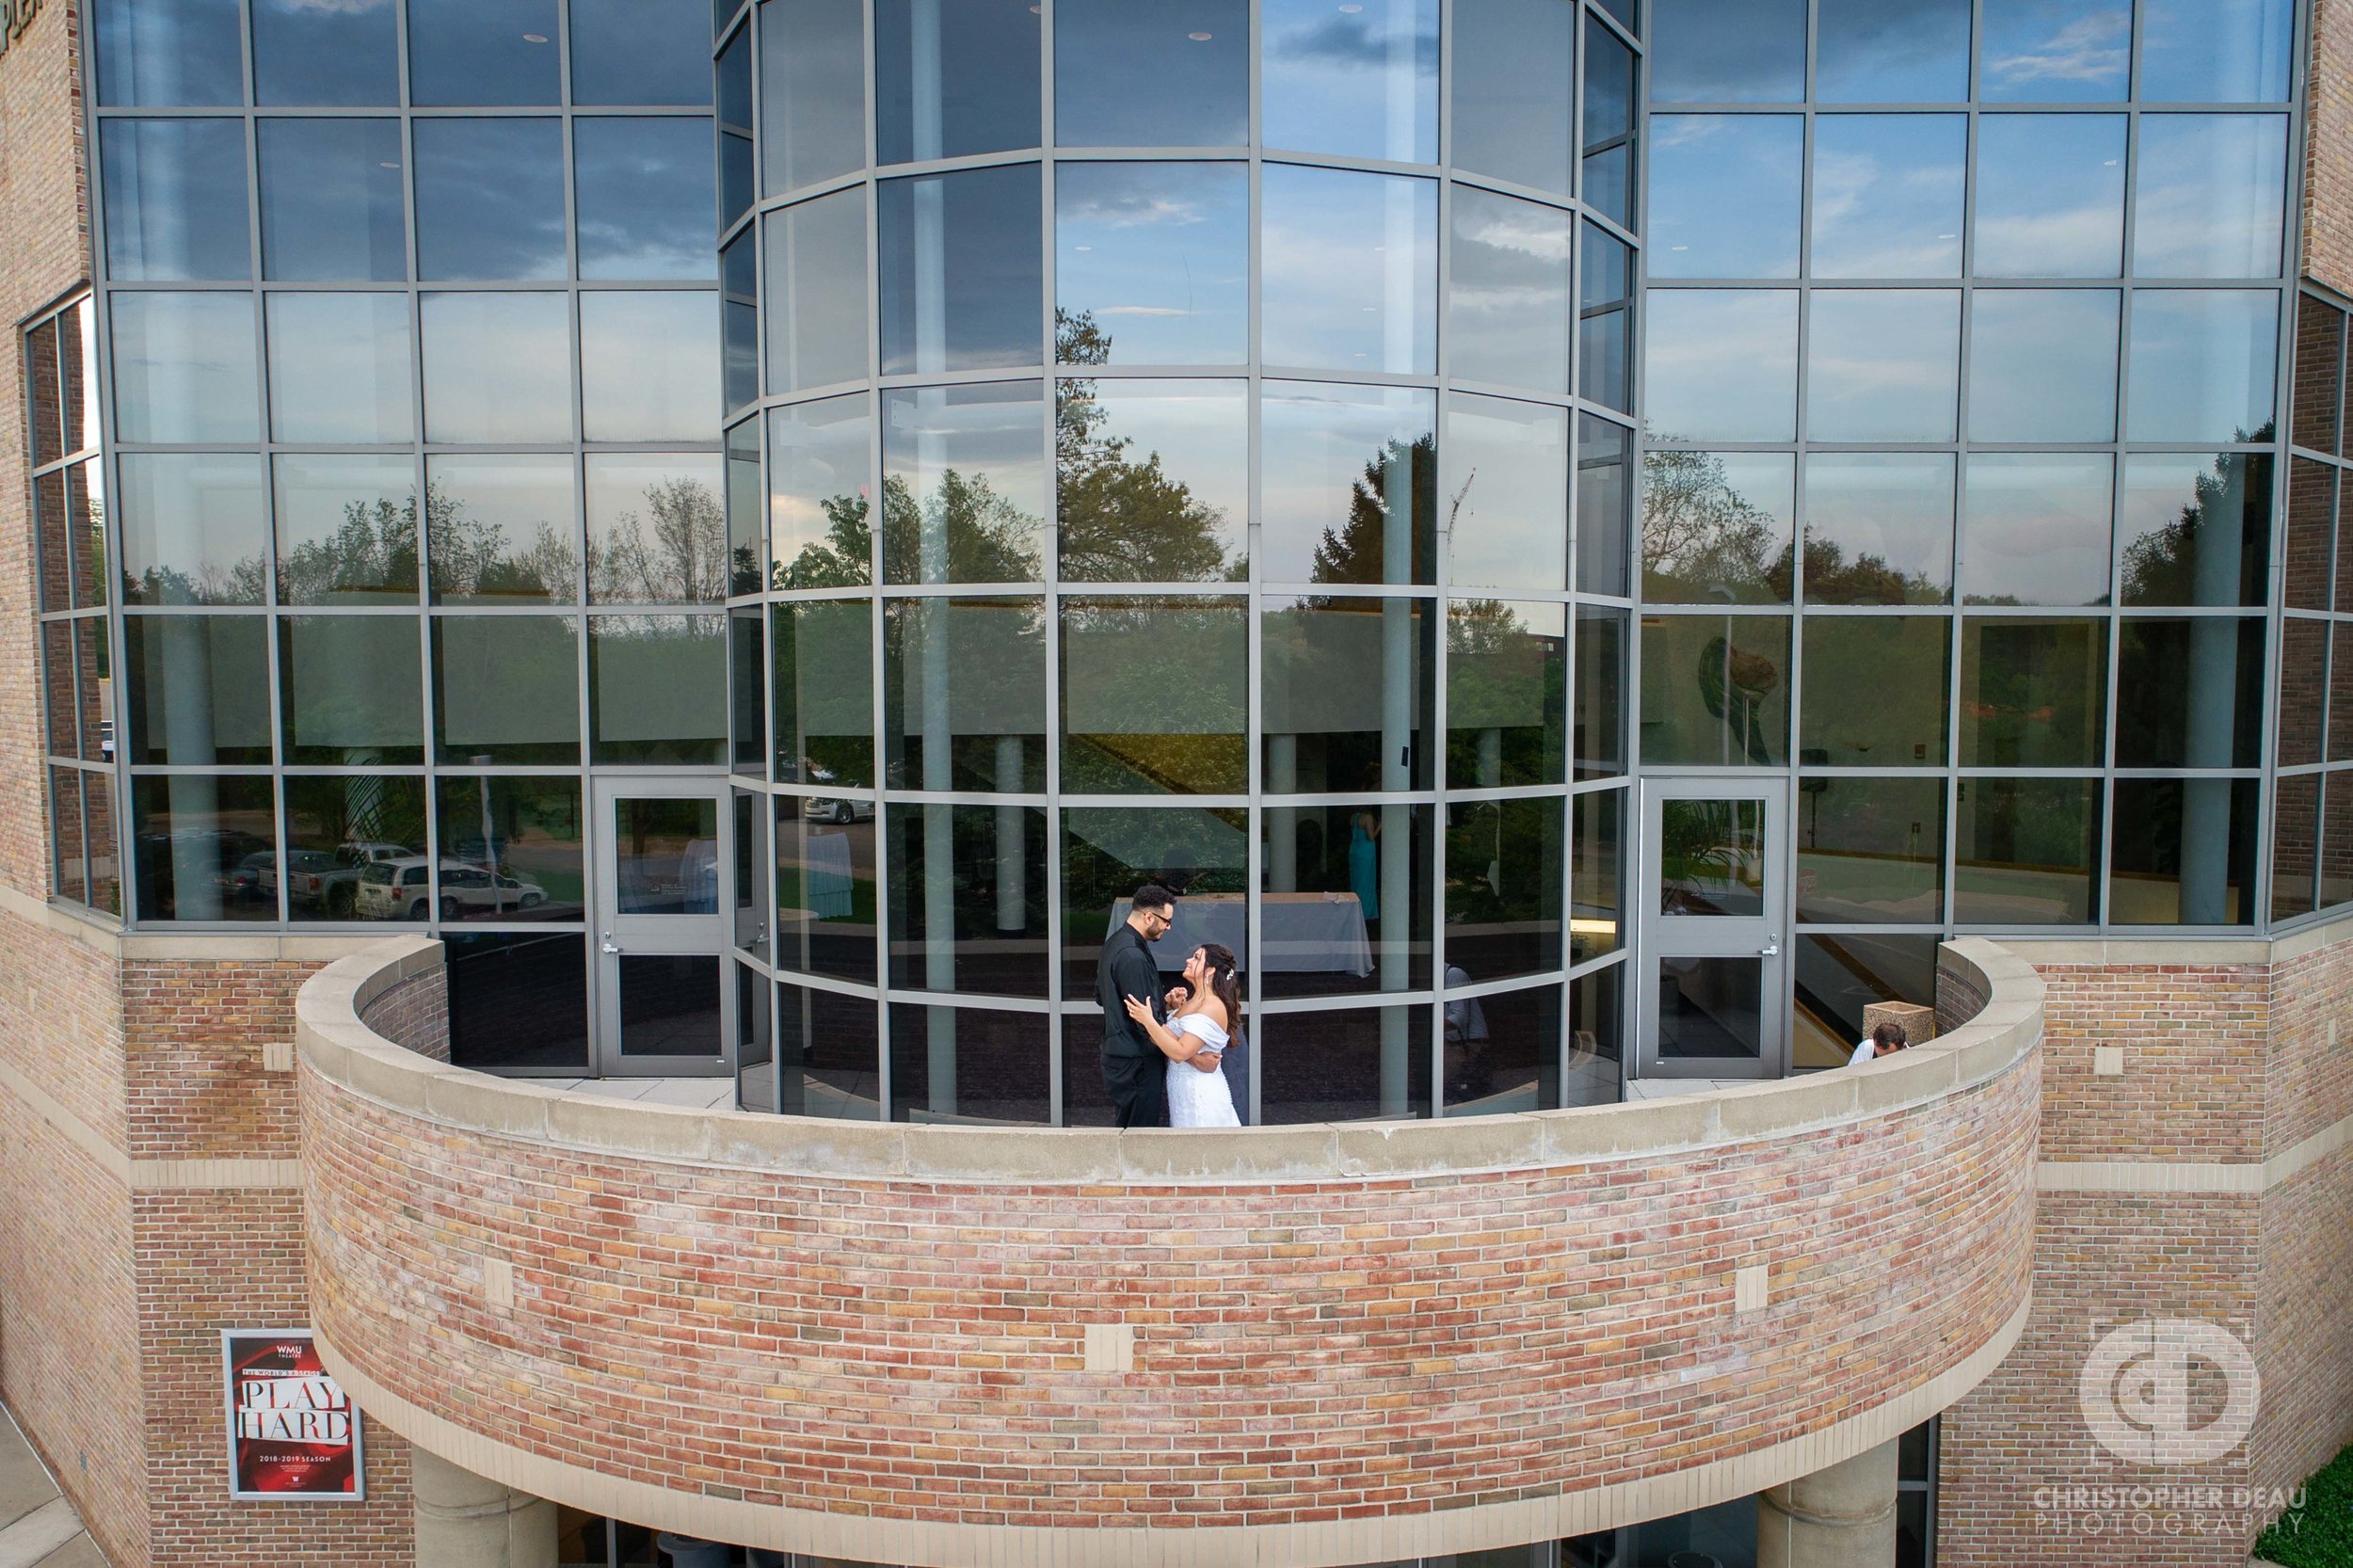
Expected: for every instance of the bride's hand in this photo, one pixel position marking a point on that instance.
(1177, 996)
(1137, 1011)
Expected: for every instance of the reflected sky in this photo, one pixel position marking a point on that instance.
(183, 367)
(640, 52)
(332, 200)
(1158, 255)
(987, 97)
(976, 233)
(1516, 126)
(1352, 80)
(483, 52)
(655, 531)
(2055, 50)
(2034, 528)
(2216, 51)
(965, 483)
(1504, 480)
(2192, 530)
(1892, 507)
(1349, 273)
(1890, 51)
(645, 190)
(818, 456)
(347, 529)
(501, 527)
(1721, 364)
(2210, 196)
(1724, 194)
(175, 199)
(192, 527)
(812, 91)
(2043, 365)
(650, 366)
(338, 368)
(498, 367)
(2205, 362)
(339, 52)
(1151, 73)
(490, 198)
(1887, 193)
(169, 53)
(1155, 479)
(1728, 51)
(1314, 444)
(1507, 298)
(816, 298)
(2050, 196)
(1884, 364)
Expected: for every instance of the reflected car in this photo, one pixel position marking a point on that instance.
(401, 889)
(317, 878)
(840, 810)
(245, 879)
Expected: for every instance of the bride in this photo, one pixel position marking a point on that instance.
(1205, 1012)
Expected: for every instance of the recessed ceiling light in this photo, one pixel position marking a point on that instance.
(535, 38)
(1370, 308)
(387, 166)
(1351, 11)
(1038, 10)
(1198, 37)
(1082, 247)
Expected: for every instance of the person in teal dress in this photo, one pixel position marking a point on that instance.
(1364, 861)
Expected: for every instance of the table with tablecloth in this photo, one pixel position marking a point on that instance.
(1301, 932)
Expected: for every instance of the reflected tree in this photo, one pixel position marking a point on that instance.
(684, 561)
(471, 558)
(1355, 549)
(2215, 546)
(1704, 540)
(1122, 517)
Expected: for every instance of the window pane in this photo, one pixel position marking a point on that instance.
(734, 73)
(645, 192)
(1609, 116)
(746, 511)
(93, 677)
(346, 529)
(200, 689)
(1152, 480)
(739, 307)
(816, 293)
(312, 54)
(498, 367)
(1597, 711)
(505, 689)
(525, 833)
(2215, 52)
(812, 75)
(965, 684)
(641, 52)
(185, 368)
(2341, 696)
(657, 533)
(1348, 483)
(192, 529)
(202, 846)
(951, 81)
(1605, 321)
(747, 721)
(1154, 696)
(2295, 845)
(2211, 196)
(819, 495)
(964, 484)
(1724, 195)
(175, 199)
(57, 683)
(517, 1002)
(1151, 73)
(1507, 485)
(2043, 365)
(1508, 300)
(2050, 196)
(69, 862)
(490, 198)
(1727, 51)
(2195, 531)
(85, 522)
(1506, 691)
(2336, 840)
(2055, 50)
(1597, 856)
(336, 829)
(1902, 661)
(351, 689)
(2204, 363)
(2190, 693)
(2024, 852)
(1503, 888)
(1887, 195)
(1152, 263)
(1360, 84)
(969, 1065)
(961, 274)
(967, 906)
(2184, 852)
(43, 393)
(1594, 1076)
(1878, 528)
(2035, 528)
(1870, 850)
(657, 688)
(1502, 1055)
(1716, 691)
(2318, 395)
(1605, 504)
(1346, 1065)
(1345, 898)
(332, 200)
(1721, 364)
(338, 368)
(501, 529)
(825, 906)
(650, 366)
(1514, 69)
(2311, 523)
(1908, 52)
(1838, 978)
(1346, 688)
(1718, 527)
(2033, 693)
(1885, 364)
(828, 1055)
(169, 53)
(1349, 272)
(1108, 853)
(465, 52)
(824, 681)
(2303, 689)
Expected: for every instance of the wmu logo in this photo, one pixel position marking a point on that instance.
(2142, 1384)
(15, 16)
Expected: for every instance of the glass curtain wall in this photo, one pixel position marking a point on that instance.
(413, 369)
(1961, 448)
(1155, 435)
(2312, 801)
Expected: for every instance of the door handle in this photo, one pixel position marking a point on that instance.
(1770, 949)
(609, 944)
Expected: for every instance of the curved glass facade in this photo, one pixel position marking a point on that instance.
(1180, 442)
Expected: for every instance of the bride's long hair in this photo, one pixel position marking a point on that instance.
(1218, 961)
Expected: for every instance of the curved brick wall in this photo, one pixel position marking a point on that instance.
(1316, 1345)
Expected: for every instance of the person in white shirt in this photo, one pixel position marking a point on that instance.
(1886, 1040)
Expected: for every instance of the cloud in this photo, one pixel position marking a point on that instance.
(2092, 49)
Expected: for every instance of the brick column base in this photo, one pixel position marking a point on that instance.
(1843, 1516)
(464, 1521)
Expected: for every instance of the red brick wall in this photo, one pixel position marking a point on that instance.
(2193, 1088)
(193, 1035)
(2329, 146)
(414, 1014)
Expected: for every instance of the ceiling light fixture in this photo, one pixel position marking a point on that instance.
(535, 38)
(1198, 37)
(1351, 11)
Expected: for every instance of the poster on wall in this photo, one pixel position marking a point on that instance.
(292, 1434)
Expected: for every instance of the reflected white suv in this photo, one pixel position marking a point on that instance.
(399, 890)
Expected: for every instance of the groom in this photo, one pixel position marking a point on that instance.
(1134, 1070)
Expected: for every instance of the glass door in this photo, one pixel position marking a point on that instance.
(662, 1011)
(1713, 1000)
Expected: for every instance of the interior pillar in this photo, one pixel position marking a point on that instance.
(1841, 1516)
(466, 1521)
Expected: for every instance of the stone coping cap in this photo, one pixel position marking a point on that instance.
(335, 1043)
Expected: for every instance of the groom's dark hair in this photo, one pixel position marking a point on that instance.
(1153, 896)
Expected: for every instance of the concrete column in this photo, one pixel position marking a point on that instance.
(464, 1521)
(1843, 1516)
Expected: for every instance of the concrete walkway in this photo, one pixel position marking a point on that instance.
(38, 1528)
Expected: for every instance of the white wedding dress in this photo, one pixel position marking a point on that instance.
(1196, 1098)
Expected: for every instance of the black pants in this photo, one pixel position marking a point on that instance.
(1139, 1088)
